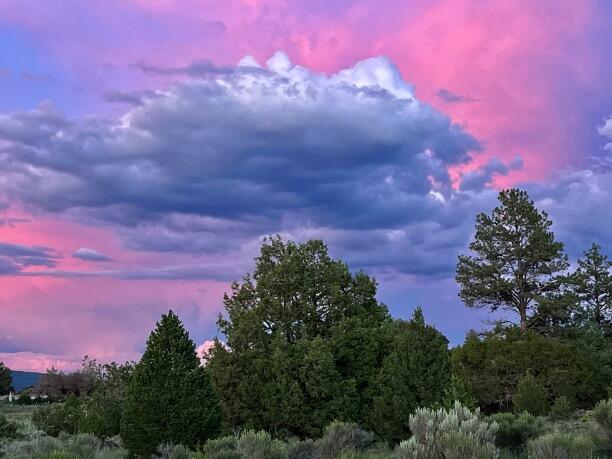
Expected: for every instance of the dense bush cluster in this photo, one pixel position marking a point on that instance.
(312, 365)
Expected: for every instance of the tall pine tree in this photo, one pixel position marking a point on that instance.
(592, 285)
(516, 259)
(169, 398)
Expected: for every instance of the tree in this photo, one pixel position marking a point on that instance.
(491, 366)
(592, 285)
(102, 410)
(517, 259)
(304, 339)
(530, 396)
(169, 398)
(6, 379)
(414, 374)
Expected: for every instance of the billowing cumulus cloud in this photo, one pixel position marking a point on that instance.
(238, 152)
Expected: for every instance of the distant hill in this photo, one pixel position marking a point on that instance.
(24, 379)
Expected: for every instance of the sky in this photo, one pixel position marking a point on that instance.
(147, 147)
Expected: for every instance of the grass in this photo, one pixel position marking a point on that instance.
(18, 413)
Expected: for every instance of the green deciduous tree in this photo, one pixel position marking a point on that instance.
(103, 409)
(169, 398)
(414, 374)
(516, 258)
(304, 338)
(5, 379)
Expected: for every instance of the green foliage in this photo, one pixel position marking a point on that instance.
(259, 445)
(5, 379)
(415, 373)
(451, 434)
(592, 285)
(457, 391)
(516, 258)
(103, 409)
(342, 438)
(558, 445)
(55, 418)
(304, 340)
(8, 429)
(602, 414)
(169, 398)
(169, 451)
(514, 430)
(562, 408)
(530, 396)
(82, 446)
(24, 399)
(492, 365)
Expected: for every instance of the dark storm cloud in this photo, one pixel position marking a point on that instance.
(479, 178)
(354, 150)
(14, 258)
(212, 164)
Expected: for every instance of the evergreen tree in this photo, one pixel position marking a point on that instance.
(592, 285)
(304, 338)
(491, 365)
(516, 258)
(103, 408)
(414, 374)
(6, 379)
(169, 398)
(530, 396)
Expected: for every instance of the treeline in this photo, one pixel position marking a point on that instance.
(305, 342)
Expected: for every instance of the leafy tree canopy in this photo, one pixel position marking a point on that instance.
(491, 366)
(304, 338)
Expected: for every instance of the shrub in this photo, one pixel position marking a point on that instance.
(490, 365)
(562, 408)
(259, 445)
(561, 446)
(58, 417)
(342, 437)
(602, 414)
(8, 429)
(82, 446)
(457, 391)
(296, 449)
(514, 430)
(530, 396)
(24, 399)
(216, 445)
(452, 434)
(172, 452)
